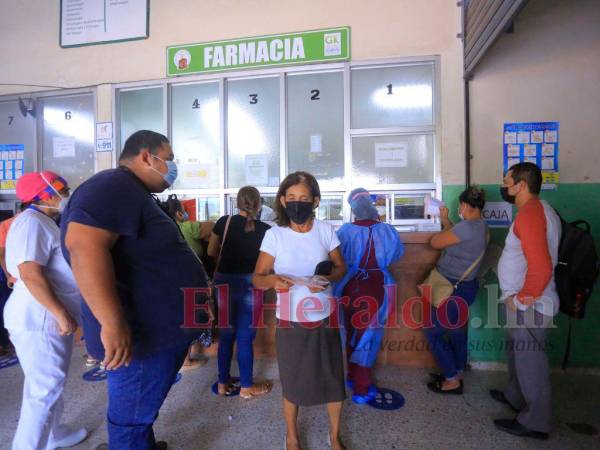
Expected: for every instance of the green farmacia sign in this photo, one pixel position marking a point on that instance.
(305, 47)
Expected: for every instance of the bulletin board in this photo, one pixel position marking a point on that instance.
(535, 142)
(12, 161)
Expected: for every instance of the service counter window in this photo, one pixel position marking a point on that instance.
(68, 146)
(358, 124)
(17, 141)
(315, 125)
(196, 137)
(253, 135)
(140, 109)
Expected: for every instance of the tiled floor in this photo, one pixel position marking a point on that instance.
(194, 418)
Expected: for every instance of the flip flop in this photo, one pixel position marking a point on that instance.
(265, 388)
(436, 386)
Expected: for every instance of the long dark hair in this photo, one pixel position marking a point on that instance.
(248, 200)
(172, 206)
(292, 180)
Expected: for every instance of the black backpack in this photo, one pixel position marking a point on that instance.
(576, 272)
(577, 268)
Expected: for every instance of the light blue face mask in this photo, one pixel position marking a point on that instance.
(171, 174)
(186, 216)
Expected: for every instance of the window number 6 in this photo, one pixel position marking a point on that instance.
(68, 115)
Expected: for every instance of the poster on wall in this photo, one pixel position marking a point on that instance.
(88, 22)
(12, 160)
(104, 137)
(535, 142)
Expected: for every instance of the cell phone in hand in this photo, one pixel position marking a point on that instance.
(324, 268)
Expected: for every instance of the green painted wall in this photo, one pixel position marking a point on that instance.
(573, 201)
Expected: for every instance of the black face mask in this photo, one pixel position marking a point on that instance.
(506, 196)
(299, 212)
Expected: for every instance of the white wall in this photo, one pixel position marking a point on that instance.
(547, 70)
(30, 53)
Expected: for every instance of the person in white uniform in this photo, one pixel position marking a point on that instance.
(42, 312)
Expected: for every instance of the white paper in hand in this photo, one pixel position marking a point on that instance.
(432, 206)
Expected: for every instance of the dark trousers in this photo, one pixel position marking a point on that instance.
(135, 395)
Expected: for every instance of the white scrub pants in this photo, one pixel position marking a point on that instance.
(45, 359)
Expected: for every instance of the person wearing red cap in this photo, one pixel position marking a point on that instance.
(42, 313)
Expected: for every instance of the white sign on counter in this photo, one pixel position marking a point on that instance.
(86, 22)
(497, 214)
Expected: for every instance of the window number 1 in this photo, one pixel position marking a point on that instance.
(389, 89)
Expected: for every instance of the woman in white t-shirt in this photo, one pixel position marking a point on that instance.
(42, 312)
(309, 351)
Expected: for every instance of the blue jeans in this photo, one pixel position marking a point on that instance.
(448, 343)
(136, 393)
(238, 326)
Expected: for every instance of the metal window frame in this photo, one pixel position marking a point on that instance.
(223, 192)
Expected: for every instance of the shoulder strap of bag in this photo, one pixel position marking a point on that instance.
(472, 266)
(222, 243)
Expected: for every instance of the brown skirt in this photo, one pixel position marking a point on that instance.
(311, 367)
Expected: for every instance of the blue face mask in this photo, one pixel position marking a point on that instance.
(186, 216)
(171, 174)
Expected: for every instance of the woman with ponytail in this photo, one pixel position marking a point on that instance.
(235, 243)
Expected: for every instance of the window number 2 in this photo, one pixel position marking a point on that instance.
(315, 94)
(253, 99)
(10, 119)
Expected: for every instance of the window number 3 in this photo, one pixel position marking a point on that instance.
(253, 99)
(315, 94)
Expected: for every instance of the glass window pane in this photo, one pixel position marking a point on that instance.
(409, 206)
(196, 135)
(392, 96)
(209, 208)
(16, 131)
(253, 132)
(316, 125)
(330, 209)
(68, 138)
(392, 159)
(141, 109)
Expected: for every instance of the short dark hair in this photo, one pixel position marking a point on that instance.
(529, 173)
(292, 180)
(473, 196)
(143, 139)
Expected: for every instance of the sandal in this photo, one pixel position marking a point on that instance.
(225, 390)
(330, 443)
(257, 390)
(192, 364)
(436, 386)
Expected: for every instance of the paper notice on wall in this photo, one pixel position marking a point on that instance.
(63, 147)
(257, 170)
(316, 143)
(391, 154)
(432, 206)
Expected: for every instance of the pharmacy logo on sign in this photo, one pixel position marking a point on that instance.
(332, 44)
(182, 59)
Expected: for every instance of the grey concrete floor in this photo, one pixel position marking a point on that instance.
(193, 418)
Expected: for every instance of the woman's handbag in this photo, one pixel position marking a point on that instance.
(441, 288)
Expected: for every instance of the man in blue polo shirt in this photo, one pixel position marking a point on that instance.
(132, 266)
